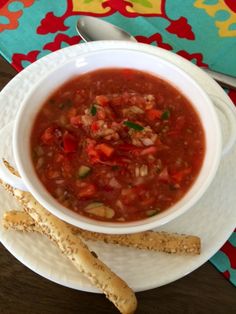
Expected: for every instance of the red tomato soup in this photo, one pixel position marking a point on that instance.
(117, 145)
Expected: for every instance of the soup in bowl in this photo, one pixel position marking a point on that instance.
(117, 141)
(117, 145)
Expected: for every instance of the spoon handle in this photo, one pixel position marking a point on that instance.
(223, 79)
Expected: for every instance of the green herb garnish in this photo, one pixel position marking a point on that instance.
(165, 115)
(133, 125)
(93, 110)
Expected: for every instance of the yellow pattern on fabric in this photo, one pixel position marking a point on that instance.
(145, 7)
(212, 9)
(93, 6)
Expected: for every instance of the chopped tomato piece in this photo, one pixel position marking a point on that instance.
(58, 158)
(164, 175)
(180, 175)
(53, 174)
(154, 114)
(94, 126)
(102, 100)
(180, 123)
(148, 201)
(67, 168)
(75, 121)
(72, 112)
(87, 191)
(69, 143)
(129, 148)
(101, 115)
(149, 150)
(91, 151)
(105, 149)
(49, 135)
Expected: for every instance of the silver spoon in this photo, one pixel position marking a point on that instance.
(93, 29)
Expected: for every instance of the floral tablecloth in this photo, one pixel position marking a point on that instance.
(203, 31)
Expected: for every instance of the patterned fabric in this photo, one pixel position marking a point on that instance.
(203, 31)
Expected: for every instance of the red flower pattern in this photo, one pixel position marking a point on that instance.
(155, 38)
(59, 39)
(51, 24)
(230, 251)
(181, 28)
(198, 57)
(18, 58)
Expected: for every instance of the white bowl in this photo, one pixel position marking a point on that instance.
(114, 58)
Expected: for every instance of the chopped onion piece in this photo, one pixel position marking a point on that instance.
(114, 183)
(147, 141)
(143, 170)
(60, 181)
(136, 109)
(120, 204)
(101, 211)
(137, 172)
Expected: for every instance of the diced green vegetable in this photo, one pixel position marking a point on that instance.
(100, 210)
(93, 110)
(165, 115)
(84, 171)
(152, 212)
(94, 204)
(133, 125)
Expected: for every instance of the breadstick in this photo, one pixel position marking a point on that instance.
(156, 241)
(115, 289)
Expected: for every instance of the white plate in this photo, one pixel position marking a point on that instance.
(213, 218)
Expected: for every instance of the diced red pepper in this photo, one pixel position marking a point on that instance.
(87, 191)
(154, 114)
(105, 149)
(70, 143)
(102, 100)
